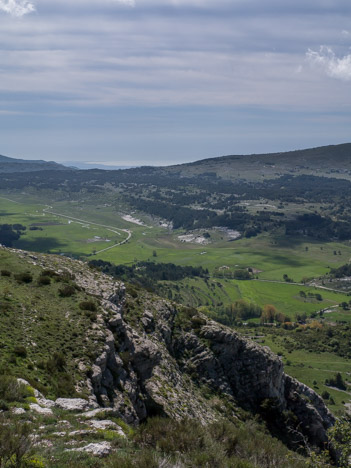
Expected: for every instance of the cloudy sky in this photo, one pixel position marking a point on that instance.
(164, 81)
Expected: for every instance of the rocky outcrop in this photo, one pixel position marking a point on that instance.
(161, 358)
(162, 364)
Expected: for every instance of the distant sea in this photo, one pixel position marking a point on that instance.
(87, 165)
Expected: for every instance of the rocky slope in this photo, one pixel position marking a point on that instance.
(154, 357)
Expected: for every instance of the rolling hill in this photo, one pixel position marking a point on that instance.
(331, 161)
(8, 165)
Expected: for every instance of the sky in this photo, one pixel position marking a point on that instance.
(157, 82)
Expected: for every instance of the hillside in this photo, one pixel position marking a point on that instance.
(8, 165)
(331, 161)
(99, 359)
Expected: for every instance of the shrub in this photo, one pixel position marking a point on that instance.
(91, 315)
(242, 275)
(50, 273)
(44, 280)
(11, 390)
(20, 351)
(56, 363)
(3, 405)
(15, 444)
(88, 305)
(24, 277)
(5, 273)
(67, 291)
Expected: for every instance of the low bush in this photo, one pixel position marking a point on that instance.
(5, 273)
(15, 444)
(24, 277)
(56, 363)
(91, 315)
(20, 351)
(50, 273)
(88, 305)
(67, 291)
(11, 390)
(44, 280)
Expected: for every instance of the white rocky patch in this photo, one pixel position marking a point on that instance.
(232, 234)
(72, 404)
(38, 409)
(107, 424)
(95, 412)
(18, 411)
(194, 239)
(99, 449)
(130, 219)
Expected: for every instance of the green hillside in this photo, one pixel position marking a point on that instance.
(331, 161)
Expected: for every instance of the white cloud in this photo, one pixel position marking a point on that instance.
(326, 60)
(17, 7)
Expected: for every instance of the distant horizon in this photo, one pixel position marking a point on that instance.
(115, 165)
(167, 82)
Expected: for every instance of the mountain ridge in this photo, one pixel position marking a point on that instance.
(8, 165)
(331, 160)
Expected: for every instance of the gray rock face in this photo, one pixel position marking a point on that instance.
(159, 367)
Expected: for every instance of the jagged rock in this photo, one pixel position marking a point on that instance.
(98, 449)
(38, 409)
(72, 404)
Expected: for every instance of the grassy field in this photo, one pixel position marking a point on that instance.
(270, 257)
(56, 234)
(313, 369)
(218, 293)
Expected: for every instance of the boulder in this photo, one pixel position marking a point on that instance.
(38, 409)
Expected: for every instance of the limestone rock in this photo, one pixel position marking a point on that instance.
(18, 411)
(106, 424)
(38, 409)
(96, 412)
(99, 449)
(72, 404)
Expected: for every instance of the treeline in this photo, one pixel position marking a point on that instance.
(9, 233)
(244, 310)
(238, 311)
(188, 218)
(319, 227)
(341, 272)
(287, 188)
(147, 274)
